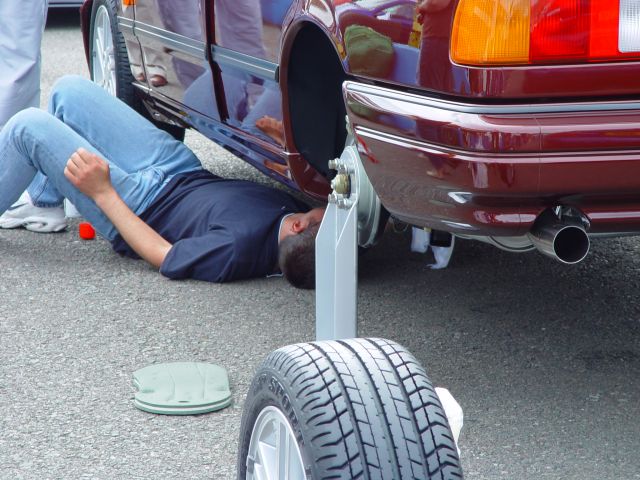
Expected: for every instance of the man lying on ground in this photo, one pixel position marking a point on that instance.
(148, 194)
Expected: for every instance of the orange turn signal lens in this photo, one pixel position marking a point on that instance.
(491, 32)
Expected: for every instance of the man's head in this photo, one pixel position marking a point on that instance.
(296, 254)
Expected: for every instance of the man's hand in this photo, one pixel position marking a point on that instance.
(425, 7)
(88, 173)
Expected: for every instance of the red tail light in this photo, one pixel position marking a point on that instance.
(559, 31)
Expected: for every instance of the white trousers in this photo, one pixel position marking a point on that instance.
(21, 26)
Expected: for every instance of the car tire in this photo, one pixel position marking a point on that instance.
(109, 62)
(348, 409)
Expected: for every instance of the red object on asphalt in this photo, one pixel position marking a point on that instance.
(86, 231)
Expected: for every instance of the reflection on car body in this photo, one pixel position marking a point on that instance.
(65, 3)
(391, 18)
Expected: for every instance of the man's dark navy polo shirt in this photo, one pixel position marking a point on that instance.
(221, 230)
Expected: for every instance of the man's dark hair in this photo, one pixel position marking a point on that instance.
(297, 258)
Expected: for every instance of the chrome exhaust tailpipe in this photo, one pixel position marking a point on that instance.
(563, 239)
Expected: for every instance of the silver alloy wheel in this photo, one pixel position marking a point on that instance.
(273, 449)
(103, 62)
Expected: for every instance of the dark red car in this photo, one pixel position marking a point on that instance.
(510, 121)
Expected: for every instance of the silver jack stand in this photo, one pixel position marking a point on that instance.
(337, 270)
(351, 219)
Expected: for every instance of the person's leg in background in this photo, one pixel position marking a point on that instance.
(21, 32)
(156, 73)
(239, 28)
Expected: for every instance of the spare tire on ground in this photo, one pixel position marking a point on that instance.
(347, 409)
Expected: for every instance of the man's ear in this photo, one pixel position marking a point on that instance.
(298, 226)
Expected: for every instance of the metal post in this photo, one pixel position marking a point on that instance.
(336, 271)
(352, 218)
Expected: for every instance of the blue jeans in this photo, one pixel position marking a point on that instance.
(142, 158)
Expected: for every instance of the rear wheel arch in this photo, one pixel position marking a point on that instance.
(312, 76)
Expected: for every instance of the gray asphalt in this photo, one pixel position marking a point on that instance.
(545, 359)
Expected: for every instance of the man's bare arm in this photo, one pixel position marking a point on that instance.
(430, 6)
(90, 174)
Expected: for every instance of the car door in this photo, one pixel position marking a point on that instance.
(246, 50)
(173, 40)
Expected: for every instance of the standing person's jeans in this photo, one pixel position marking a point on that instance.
(21, 31)
(21, 27)
(142, 158)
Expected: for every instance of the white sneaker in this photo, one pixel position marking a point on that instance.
(70, 210)
(25, 214)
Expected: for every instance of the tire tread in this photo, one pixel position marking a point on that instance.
(366, 410)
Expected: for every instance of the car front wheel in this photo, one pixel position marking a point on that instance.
(109, 62)
(358, 408)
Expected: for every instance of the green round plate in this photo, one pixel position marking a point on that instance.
(181, 388)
